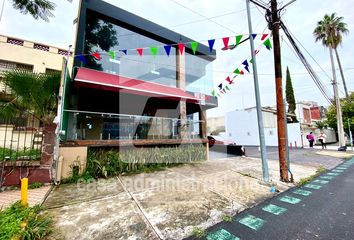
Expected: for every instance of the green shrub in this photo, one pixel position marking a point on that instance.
(24, 223)
(31, 154)
(35, 185)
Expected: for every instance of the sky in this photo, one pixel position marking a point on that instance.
(226, 18)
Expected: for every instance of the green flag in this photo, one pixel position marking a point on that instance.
(237, 71)
(112, 54)
(268, 44)
(153, 51)
(227, 87)
(238, 39)
(213, 93)
(194, 46)
(251, 61)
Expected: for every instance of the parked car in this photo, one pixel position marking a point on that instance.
(217, 140)
(218, 144)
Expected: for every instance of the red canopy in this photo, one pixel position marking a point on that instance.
(105, 81)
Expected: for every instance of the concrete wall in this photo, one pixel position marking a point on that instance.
(72, 156)
(242, 128)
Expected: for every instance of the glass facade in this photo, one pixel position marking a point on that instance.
(103, 36)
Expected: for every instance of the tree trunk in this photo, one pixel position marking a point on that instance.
(48, 144)
(342, 74)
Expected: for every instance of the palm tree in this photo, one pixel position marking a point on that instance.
(37, 8)
(36, 94)
(330, 30)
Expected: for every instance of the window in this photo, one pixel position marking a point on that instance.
(52, 71)
(15, 41)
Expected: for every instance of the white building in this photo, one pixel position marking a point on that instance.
(242, 128)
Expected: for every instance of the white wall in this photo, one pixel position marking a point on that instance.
(242, 128)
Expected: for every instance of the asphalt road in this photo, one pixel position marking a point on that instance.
(324, 209)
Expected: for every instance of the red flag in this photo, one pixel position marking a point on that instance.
(226, 41)
(264, 36)
(256, 51)
(140, 51)
(181, 47)
(242, 72)
(96, 55)
(229, 80)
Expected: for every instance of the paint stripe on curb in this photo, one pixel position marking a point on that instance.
(252, 222)
(312, 186)
(221, 234)
(327, 177)
(290, 200)
(333, 173)
(274, 209)
(320, 181)
(302, 192)
(338, 171)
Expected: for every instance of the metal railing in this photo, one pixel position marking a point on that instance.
(85, 125)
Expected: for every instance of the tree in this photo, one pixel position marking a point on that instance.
(330, 30)
(289, 92)
(36, 94)
(348, 113)
(37, 8)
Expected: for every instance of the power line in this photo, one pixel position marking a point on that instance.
(201, 15)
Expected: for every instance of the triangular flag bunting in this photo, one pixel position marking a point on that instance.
(211, 44)
(124, 51)
(251, 61)
(220, 86)
(264, 36)
(194, 46)
(181, 47)
(268, 44)
(238, 39)
(153, 51)
(112, 54)
(213, 93)
(219, 95)
(140, 51)
(246, 65)
(241, 72)
(256, 51)
(237, 71)
(96, 55)
(254, 36)
(82, 58)
(227, 87)
(225, 41)
(167, 49)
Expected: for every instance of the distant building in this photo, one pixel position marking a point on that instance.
(242, 127)
(216, 125)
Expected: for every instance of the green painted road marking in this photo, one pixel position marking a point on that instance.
(302, 192)
(341, 168)
(290, 200)
(274, 209)
(313, 186)
(221, 234)
(321, 181)
(339, 171)
(333, 173)
(327, 177)
(252, 222)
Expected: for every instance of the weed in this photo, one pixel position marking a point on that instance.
(227, 218)
(306, 180)
(35, 185)
(198, 232)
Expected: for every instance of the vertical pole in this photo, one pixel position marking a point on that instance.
(287, 140)
(338, 105)
(279, 92)
(24, 191)
(258, 100)
(350, 136)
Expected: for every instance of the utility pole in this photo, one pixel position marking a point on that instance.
(338, 105)
(275, 25)
(258, 100)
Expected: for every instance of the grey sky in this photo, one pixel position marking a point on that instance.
(300, 17)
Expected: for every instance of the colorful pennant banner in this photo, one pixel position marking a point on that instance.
(181, 47)
(229, 80)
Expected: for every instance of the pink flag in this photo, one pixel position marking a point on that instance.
(140, 51)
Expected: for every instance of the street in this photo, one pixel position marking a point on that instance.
(321, 209)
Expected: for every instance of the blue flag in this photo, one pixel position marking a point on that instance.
(211, 44)
(167, 49)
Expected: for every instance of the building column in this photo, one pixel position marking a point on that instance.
(181, 83)
(202, 124)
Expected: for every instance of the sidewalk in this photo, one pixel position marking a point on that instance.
(35, 196)
(165, 204)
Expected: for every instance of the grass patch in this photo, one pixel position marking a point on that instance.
(198, 232)
(306, 180)
(227, 218)
(35, 185)
(29, 154)
(24, 223)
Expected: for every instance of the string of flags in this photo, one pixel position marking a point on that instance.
(238, 39)
(225, 85)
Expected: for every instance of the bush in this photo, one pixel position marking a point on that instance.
(31, 154)
(24, 223)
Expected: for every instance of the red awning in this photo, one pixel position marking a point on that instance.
(105, 81)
